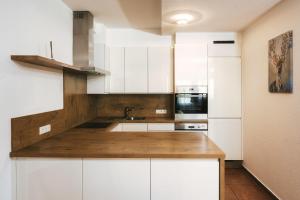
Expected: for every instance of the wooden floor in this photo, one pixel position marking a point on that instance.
(241, 186)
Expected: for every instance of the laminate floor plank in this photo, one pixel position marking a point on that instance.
(242, 186)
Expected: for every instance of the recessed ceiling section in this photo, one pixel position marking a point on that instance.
(170, 16)
(138, 14)
(216, 15)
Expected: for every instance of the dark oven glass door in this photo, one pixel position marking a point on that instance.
(191, 103)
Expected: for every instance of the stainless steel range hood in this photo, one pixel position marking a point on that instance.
(83, 42)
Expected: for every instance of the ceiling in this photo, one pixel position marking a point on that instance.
(148, 15)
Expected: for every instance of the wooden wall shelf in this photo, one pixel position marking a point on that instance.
(51, 63)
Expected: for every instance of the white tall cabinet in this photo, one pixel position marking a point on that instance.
(191, 65)
(224, 87)
(160, 69)
(136, 70)
(226, 133)
(224, 99)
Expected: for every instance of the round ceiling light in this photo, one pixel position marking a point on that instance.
(182, 17)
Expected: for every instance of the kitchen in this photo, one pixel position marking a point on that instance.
(151, 99)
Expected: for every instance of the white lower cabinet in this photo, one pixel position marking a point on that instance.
(49, 179)
(116, 179)
(227, 134)
(184, 179)
(138, 127)
(155, 127)
(117, 128)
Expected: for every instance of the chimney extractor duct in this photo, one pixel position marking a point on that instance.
(83, 39)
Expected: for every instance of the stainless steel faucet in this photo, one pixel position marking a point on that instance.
(127, 110)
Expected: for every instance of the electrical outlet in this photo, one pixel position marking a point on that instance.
(45, 129)
(161, 111)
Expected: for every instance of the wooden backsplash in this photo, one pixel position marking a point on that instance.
(113, 105)
(78, 108)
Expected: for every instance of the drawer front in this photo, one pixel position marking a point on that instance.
(153, 127)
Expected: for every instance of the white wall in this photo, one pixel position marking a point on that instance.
(26, 28)
(271, 121)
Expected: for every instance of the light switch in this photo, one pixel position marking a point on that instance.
(161, 111)
(45, 129)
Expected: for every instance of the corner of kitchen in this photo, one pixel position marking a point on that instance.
(108, 102)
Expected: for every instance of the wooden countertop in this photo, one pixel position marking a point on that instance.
(99, 143)
(147, 120)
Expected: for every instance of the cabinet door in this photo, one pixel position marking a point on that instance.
(49, 179)
(190, 65)
(116, 78)
(160, 70)
(184, 179)
(98, 84)
(116, 179)
(224, 87)
(136, 70)
(221, 50)
(117, 128)
(135, 127)
(227, 134)
(155, 127)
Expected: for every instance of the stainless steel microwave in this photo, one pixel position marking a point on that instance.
(191, 102)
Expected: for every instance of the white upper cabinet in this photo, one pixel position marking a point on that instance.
(191, 64)
(227, 134)
(160, 70)
(224, 87)
(116, 78)
(99, 84)
(136, 70)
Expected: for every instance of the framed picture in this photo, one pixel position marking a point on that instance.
(281, 63)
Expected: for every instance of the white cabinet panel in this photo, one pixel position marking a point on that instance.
(191, 65)
(107, 67)
(117, 70)
(153, 127)
(49, 179)
(117, 128)
(160, 70)
(227, 134)
(136, 70)
(221, 50)
(99, 55)
(116, 179)
(184, 179)
(135, 127)
(98, 84)
(224, 87)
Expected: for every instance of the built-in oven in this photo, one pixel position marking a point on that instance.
(191, 103)
(192, 127)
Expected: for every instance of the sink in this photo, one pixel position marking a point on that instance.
(135, 118)
(94, 125)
